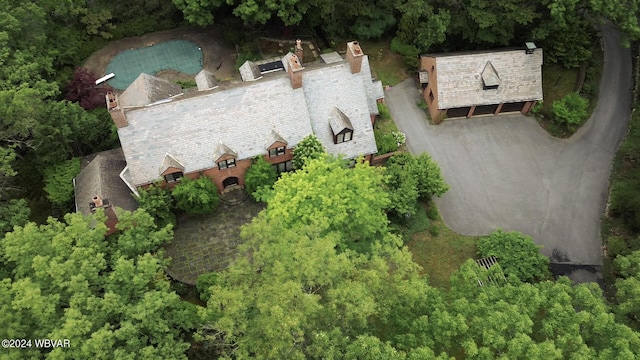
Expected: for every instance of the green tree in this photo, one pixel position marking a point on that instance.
(308, 148)
(518, 255)
(158, 203)
(59, 182)
(261, 175)
(331, 197)
(110, 298)
(571, 110)
(204, 283)
(198, 196)
(628, 287)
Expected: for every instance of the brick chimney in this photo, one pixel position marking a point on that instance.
(295, 71)
(354, 56)
(116, 112)
(299, 51)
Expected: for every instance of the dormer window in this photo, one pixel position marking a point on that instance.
(490, 78)
(173, 177)
(226, 164)
(280, 150)
(345, 136)
(340, 126)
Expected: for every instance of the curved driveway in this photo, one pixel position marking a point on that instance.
(505, 171)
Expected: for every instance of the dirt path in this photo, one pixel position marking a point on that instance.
(218, 58)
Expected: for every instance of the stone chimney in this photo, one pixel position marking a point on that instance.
(295, 71)
(97, 201)
(354, 56)
(116, 112)
(299, 51)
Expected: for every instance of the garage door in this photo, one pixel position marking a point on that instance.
(512, 107)
(485, 109)
(458, 112)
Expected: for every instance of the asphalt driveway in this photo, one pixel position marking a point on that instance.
(506, 172)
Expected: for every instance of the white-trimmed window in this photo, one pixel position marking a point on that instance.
(173, 177)
(344, 136)
(280, 150)
(284, 166)
(226, 164)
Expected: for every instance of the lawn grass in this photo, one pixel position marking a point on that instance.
(386, 65)
(440, 251)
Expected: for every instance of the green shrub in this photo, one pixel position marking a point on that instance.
(386, 142)
(383, 111)
(409, 52)
(198, 196)
(204, 282)
(432, 211)
(58, 181)
(186, 84)
(158, 203)
(616, 245)
(537, 108)
(260, 174)
(570, 110)
(518, 255)
(434, 230)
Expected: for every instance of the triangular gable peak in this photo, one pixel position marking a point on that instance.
(490, 78)
(339, 121)
(223, 151)
(274, 140)
(205, 80)
(146, 90)
(170, 165)
(249, 71)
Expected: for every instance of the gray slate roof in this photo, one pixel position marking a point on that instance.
(460, 77)
(101, 176)
(147, 89)
(244, 119)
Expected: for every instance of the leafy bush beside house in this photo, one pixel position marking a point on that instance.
(261, 174)
(571, 110)
(386, 143)
(198, 196)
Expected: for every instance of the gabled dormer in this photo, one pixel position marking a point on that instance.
(224, 157)
(341, 127)
(171, 169)
(276, 145)
(490, 78)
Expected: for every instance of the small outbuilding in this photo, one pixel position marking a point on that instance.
(469, 84)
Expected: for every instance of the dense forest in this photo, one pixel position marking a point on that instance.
(344, 287)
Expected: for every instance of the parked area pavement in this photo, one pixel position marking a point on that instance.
(506, 172)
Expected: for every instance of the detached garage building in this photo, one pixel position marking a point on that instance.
(481, 83)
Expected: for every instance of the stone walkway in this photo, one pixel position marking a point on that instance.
(206, 243)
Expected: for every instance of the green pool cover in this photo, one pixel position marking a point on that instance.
(180, 55)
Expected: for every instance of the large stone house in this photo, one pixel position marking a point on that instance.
(481, 83)
(166, 134)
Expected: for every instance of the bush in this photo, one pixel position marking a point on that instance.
(58, 181)
(432, 211)
(158, 203)
(518, 255)
(198, 196)
(260, 174)
(570, 110)
(409, 52)
(537, 108)
(386, 142)
(616, 245)
(434, 230)
(204, 282)
(400, 137)
(383, 111)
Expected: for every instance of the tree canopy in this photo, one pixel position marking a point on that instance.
(109, 297)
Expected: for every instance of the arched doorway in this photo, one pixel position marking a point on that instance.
(230, 181)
